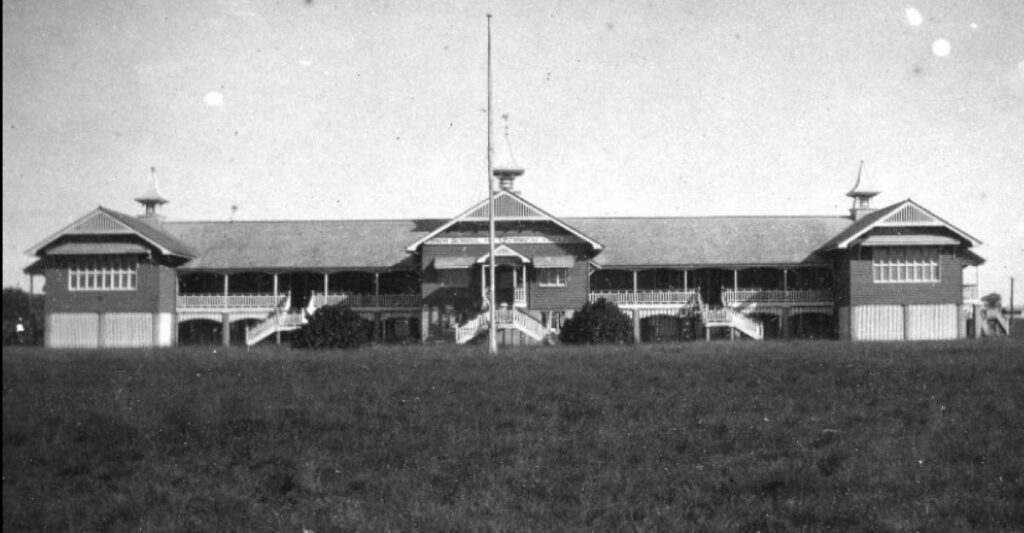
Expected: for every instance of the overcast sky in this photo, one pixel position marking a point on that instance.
(324, 109)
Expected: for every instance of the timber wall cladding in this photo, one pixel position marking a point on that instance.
(932, 322)
(897, 322)
(72, 330)
(878, 322)
(127, 330)
(165, 329)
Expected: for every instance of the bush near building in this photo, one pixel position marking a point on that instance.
(600, 322)
(334, 326)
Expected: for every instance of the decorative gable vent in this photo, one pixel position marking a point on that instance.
(99, 223)
(910, 215)
(507, 207)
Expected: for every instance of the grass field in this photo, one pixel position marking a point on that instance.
(723, 436)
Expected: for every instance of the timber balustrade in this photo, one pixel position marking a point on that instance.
(645, 297)
(971, 293)
(269, 301)
(731, 297)
(366, 300)
(230, 301)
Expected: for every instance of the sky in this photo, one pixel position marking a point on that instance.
(318, 109)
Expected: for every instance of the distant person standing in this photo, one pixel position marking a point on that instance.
(19, 332)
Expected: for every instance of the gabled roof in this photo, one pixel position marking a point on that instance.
(507, 206)
(725, 241)
(105, 221)
(907, 213)
(317, 245)
(503, 251)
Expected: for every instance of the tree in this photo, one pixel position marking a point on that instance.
(334, 326)
(598, 322)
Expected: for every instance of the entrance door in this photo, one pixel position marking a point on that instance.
(504, 291)
(299, 285)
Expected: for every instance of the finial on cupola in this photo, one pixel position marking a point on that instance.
(151, 198)
(862, 193)
(507, 170)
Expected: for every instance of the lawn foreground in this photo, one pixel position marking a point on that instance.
(723, 436)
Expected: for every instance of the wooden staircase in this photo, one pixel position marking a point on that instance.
(727, 317)
(515, 319)
(996, 324)
(282, 318)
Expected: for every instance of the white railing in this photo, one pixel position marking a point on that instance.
(724, 316)
(514, 318)
(733, 297)
(971, 293)
(529, 325)
(366, 300)
(470, 329)
(753, 328)
(520, 296)
(232, 301)
(719, 316)
(629, 297)
(273, 323)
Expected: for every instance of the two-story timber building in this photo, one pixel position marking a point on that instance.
(114, 280)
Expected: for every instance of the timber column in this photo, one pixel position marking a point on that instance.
(225, 329)
(636, 325)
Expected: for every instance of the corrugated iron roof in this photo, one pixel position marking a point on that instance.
(158, 235)
(710, 240)
(858, 226)
(301, 245)
(335, 245)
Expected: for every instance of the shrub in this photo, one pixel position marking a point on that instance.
(334, 326)
(598, 322)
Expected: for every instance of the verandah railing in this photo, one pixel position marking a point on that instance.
(732, 297)
(366, 300)
(233, 301)
(646, 297)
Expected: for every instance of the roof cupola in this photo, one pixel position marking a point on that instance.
(507, 170)
(151, 198)
(862, 193)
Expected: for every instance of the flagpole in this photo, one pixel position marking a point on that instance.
(492, 330)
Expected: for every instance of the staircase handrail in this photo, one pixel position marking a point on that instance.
(529, 325)
(747, 325)
(471, 328)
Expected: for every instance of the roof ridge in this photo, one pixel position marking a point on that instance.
(628, 217)
(642, 217)
(274, 221)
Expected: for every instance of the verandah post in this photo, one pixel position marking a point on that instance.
(636, 326)
(376, 300)
(277, 312)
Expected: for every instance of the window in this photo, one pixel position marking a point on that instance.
(905, 265)
(552, 277)
(110, 274)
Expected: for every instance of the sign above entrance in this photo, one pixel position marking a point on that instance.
(514, 239)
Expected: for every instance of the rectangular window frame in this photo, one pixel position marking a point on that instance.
(906, 264)
(103, 274)
(552, 277)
